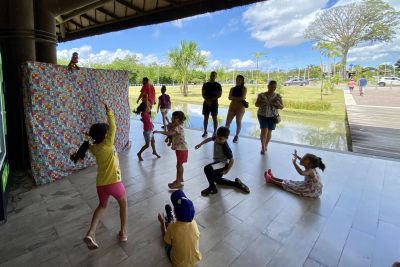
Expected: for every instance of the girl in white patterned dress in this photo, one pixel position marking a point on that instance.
(311, 186)
(176, 132)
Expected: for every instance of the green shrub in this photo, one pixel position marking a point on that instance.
(307, 105)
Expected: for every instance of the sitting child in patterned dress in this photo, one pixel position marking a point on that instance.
(311, 186)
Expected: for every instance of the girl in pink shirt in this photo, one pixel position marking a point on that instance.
(148, 126)
(351, 84)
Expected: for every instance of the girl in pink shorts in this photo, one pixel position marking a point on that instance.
(176, 132)
(108, 179)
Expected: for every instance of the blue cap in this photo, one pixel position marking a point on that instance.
(184, 209)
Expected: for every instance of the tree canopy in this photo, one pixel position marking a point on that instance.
(186, 58)
(349, 25)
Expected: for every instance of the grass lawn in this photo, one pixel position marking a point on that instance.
(307, 96)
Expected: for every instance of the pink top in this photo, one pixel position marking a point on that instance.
(178, 139)
(150, 92)
(147, 124)
(351, 83)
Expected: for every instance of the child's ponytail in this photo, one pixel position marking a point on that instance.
(316, 162)
(97, 134)
(80, 154)
(321, 165)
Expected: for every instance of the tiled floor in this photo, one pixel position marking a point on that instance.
(356, 222)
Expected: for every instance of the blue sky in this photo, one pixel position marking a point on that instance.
(230, 37)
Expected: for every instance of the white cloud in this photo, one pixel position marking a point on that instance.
(179, 22)
(237, 63)
(215, 64)
(231, 26)
(205, 53)
(281, 22)
(87, 57)
(376, 52)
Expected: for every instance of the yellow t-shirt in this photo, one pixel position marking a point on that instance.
(184, 238)
(108, 171)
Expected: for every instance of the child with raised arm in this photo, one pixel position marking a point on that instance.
(108, 180)
(182, 236)
(311, 186)
(179, 144)
(148, 127)
(223, 162)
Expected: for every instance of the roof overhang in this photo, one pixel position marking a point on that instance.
(103, 16)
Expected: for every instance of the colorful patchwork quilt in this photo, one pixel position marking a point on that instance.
(60, 105)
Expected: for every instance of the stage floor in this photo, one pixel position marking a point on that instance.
(356, 222)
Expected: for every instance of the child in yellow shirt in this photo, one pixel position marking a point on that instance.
(182, 236)
(108, 180)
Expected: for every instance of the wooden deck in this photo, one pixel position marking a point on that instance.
(356, 222)
(374, 129)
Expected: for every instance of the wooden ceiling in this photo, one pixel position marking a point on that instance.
(104, 16)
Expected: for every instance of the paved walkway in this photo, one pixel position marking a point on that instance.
(356, 222)
(374, 121)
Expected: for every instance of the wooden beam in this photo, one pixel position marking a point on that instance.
(75, 23)
(106, 12)
(90, 19)
(172, 2)
(83, 10)
(128, 5)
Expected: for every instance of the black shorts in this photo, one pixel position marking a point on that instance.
(213, 109)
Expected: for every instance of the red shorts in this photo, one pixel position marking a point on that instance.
(116, 190)
(181, 156)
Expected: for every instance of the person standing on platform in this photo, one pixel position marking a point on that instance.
(362, 83)
(147, 93)
(268, 104)
(351, 84)
(211, 91)
(237, 95)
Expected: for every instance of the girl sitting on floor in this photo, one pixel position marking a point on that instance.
(311, 186)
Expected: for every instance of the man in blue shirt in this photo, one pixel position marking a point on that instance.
(362, 83)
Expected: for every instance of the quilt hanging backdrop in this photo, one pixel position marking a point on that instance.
(60, 105)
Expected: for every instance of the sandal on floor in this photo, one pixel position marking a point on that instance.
(90, 243)
(235, 139)
(122, 238)
(243, 187)
(174, 185)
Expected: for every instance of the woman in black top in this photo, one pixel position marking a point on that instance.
(237, 95)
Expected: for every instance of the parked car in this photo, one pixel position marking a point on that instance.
(296, 81)
(388, 81)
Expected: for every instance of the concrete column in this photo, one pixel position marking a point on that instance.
(17, 46)
(45, 28)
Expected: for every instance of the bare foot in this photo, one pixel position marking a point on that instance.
(140, 157)
(155, 154)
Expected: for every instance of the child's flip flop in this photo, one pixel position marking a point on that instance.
(90, 243)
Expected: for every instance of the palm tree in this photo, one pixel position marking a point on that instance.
(257, 56)
(185, 59)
